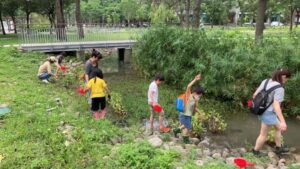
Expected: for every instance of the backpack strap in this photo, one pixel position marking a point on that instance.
(271, 90)
(266, 83)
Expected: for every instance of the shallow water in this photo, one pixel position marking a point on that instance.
(243, 129)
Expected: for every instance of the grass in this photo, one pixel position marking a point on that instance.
(31, 137)
(8, 39)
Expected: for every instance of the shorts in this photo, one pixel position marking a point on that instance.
(186, 121)
(269, 118)
(96, 102)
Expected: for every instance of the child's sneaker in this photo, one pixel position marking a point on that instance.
(45, 81)
(281, 150)
(258, 153)
(164, 129)
(176, 131)
(186, 140)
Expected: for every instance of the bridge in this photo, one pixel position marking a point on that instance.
(76, 46)
(47, 40)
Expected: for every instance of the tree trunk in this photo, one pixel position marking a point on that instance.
(13, 18)
(60, 21)
(298, 17)
(2, 25)
(187, 12)
(78, 20)
(291, 18)
(260, 26)
(196, 14)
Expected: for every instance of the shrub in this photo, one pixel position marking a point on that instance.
(210, 121)
(232, 64)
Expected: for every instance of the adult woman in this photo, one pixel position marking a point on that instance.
(45, 71)
(273, 115)
(92, 64)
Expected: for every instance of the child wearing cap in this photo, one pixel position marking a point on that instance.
(192, 97)
(45, 71)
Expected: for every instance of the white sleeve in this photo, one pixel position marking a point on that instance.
(279, 95)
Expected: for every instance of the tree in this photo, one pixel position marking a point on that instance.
(47, 8)
(187, 13)
(78, 20)
(129, 8)
(10, 8)
(1, 21)
(196, 13)
(260, 24)
(29, 6)
(216, 11)
(60, 21)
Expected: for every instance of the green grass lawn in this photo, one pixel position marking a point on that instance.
(8, 39)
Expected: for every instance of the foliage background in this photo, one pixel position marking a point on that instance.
(231, 63)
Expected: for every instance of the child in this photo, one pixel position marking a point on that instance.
(191, 101)
(153, 100)
(98, 89)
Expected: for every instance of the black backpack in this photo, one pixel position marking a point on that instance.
(259, 103)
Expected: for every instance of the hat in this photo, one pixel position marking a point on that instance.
(52, 59)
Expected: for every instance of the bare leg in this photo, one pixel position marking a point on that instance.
(161, 119)
(261, 139)
(277, 136)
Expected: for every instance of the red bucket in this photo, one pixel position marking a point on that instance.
(157, 108)
(63, 68)
(242, 163)
(80, 90)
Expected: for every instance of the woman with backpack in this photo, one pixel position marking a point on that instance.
(272, 116)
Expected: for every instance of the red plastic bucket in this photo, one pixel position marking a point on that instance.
(63, 68)
(80, 90)
(157, 108)
(242, 163)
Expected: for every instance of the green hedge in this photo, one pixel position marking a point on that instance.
(231, 63)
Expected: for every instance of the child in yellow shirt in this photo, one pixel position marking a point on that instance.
(98, 89)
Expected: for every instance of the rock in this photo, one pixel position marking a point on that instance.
(155, 141)
(204, 143)
(166, 146)
(293, 149)
(180, 149)
(225, 153)
(206, 152)
(230, 160)
(297, 158)
(199, 153)
(270, 166)
(199, 163)
(298, 117)
(189, 146)
(195, 141)
(258, 167)
(273, 158)
(172, 143)
(242, 150)
(138, 140)
(106, 158)
(217, 156)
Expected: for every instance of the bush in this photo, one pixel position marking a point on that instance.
(232, 64)
(208, 121)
